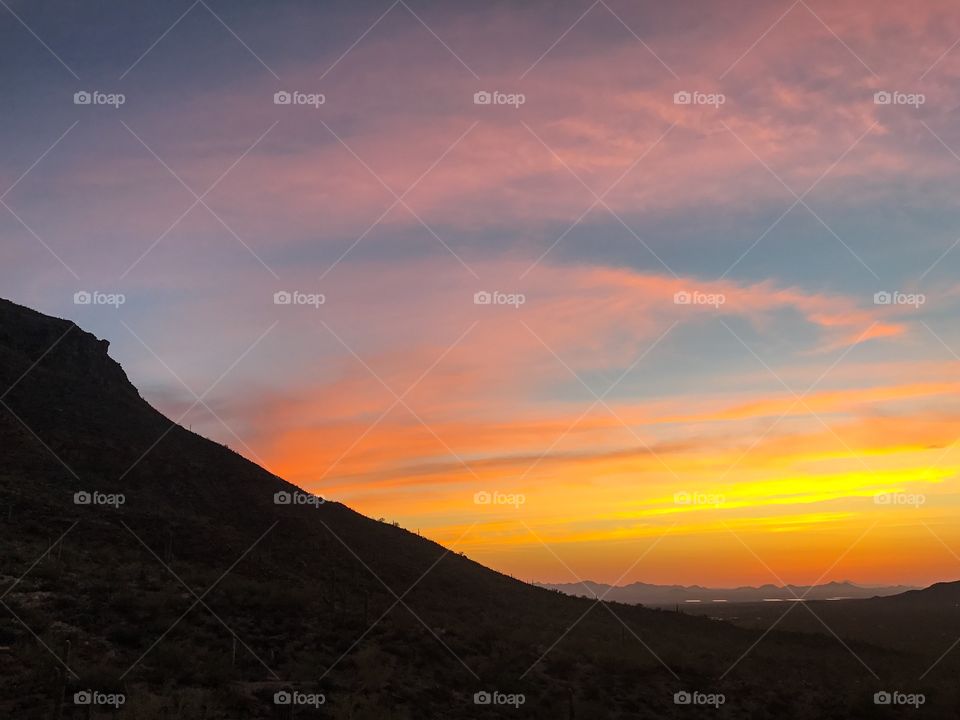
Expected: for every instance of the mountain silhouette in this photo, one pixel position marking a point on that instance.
(648, 594)
(145, 562)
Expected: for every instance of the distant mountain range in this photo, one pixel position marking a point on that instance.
(646, 594)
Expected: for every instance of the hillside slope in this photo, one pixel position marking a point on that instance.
(924, 624)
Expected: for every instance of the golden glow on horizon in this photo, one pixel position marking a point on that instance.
(797, 498)
(702, 415)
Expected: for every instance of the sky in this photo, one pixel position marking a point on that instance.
(659, 292)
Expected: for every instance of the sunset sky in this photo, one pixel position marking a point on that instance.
(781, 401)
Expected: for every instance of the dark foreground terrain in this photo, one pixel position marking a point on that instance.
(198, 596)
(925, 623)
